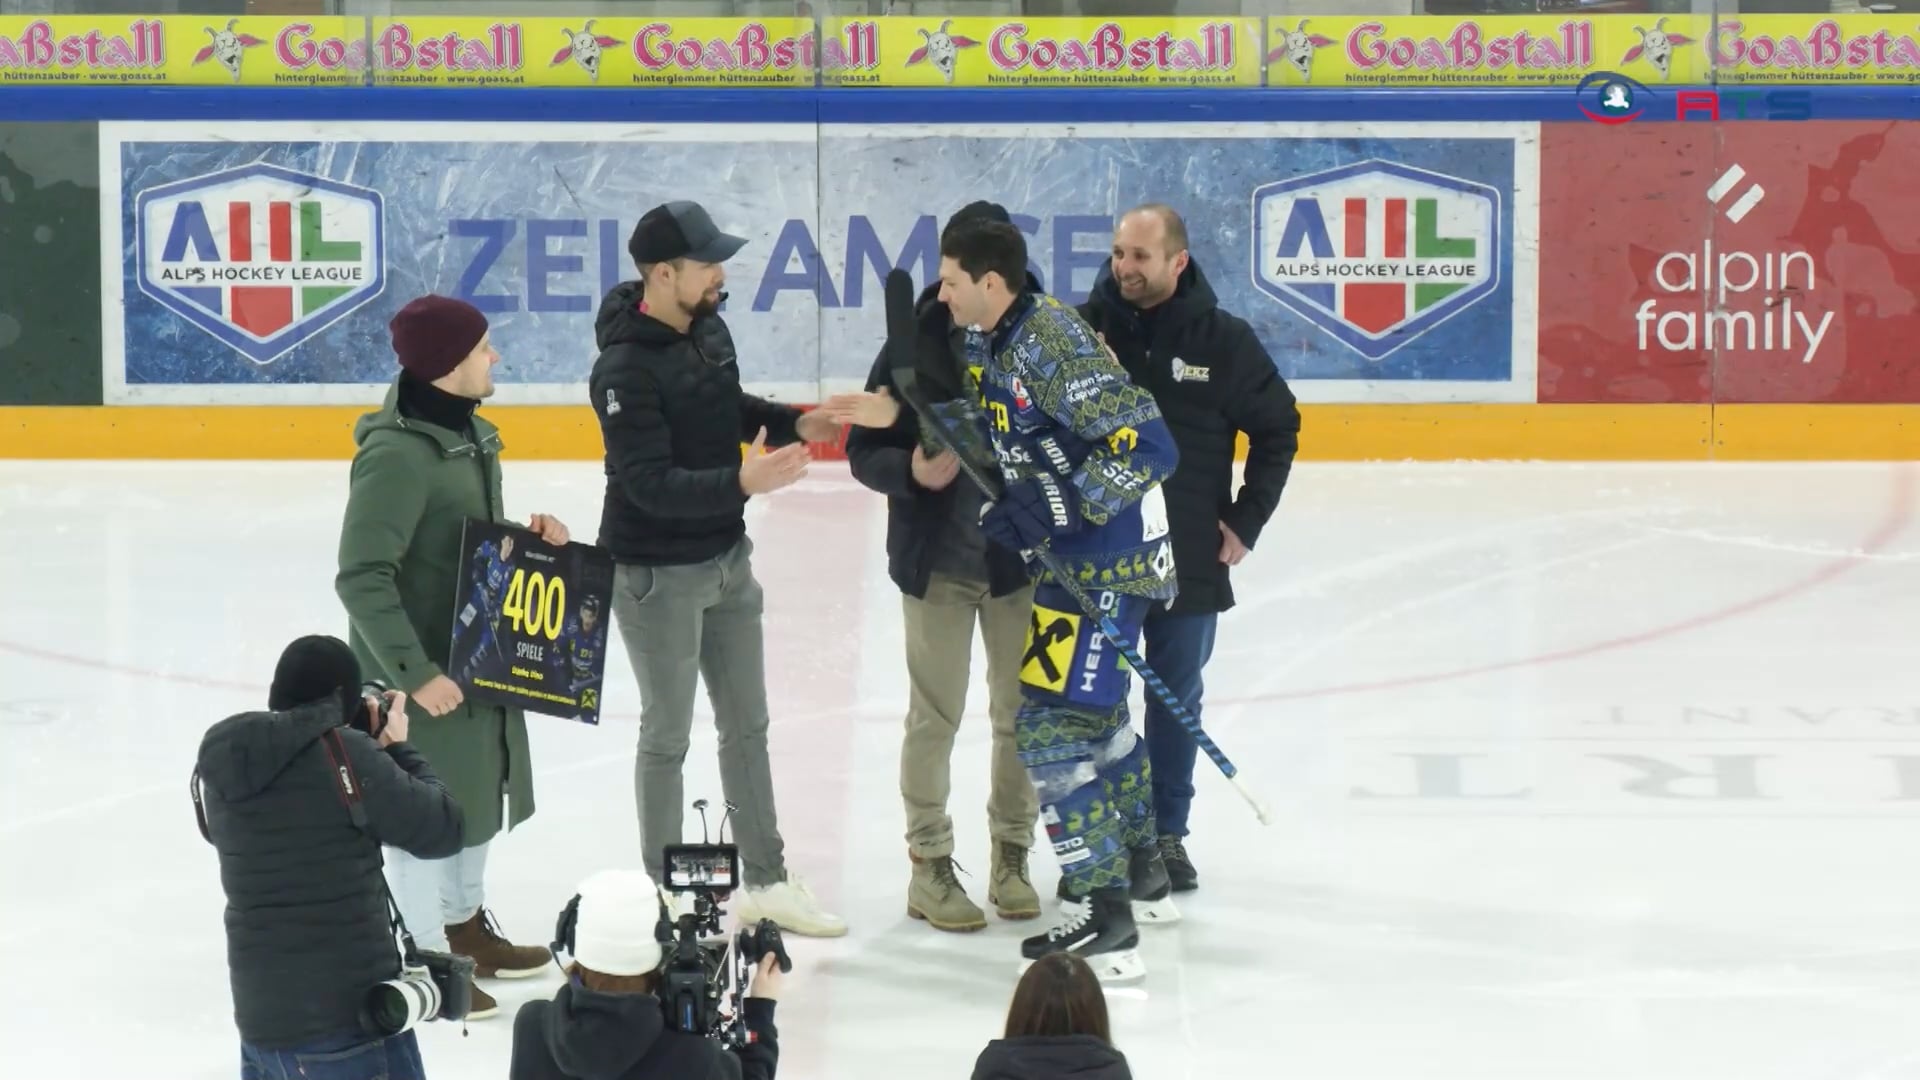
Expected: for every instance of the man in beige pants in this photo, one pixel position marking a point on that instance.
(950, 578)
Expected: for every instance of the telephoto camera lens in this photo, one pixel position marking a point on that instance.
(397, 1005)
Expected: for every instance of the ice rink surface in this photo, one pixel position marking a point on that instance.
(1583, 773)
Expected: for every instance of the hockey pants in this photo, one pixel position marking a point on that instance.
(1076, 740)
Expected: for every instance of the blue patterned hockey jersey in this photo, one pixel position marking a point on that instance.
(1056, 402)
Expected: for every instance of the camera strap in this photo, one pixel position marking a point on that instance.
(347, 785)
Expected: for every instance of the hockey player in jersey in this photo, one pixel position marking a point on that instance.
(492, 568)
(1082, 452)
(580, 644)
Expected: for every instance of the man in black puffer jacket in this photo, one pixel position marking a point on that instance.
(672, 416)
(308, 933)
(1213, 381)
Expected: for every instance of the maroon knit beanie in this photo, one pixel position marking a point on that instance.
(433, 334)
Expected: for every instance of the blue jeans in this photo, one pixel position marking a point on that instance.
(339, 1057)
(1177, 647)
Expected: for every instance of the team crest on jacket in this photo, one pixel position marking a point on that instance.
(1375, 254)
(1022, 400)
(260, 257)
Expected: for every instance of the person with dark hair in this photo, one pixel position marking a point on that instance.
(608, 1022)
(1154, 308)
(949, 578)
(307, 921)
(425, 462)
(1082, 453)
(666, 390)
(1057, 1028)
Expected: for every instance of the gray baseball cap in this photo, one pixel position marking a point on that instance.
(680, 230)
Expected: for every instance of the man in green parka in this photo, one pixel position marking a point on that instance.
(425, 464)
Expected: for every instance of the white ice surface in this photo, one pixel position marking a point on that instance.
(1583, 773)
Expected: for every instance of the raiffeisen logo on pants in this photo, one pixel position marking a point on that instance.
(261, 257)
(1749, 294)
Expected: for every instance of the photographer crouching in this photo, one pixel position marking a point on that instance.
(642, 994)
(297, 801)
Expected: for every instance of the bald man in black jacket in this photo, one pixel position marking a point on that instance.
(1213, 381)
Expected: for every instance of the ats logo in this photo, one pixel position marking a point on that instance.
(1376, 253)
(261, 257)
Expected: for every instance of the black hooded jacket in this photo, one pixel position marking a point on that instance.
(306, 918)
(672, 418)
(1050, 1057)
(1212, 380)
(583, 1034)
(882, 459)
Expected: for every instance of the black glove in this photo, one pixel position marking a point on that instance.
(1030, 512)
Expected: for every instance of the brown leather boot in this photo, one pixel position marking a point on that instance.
(483, 1005)
(494, 957)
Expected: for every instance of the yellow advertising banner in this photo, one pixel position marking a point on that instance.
(1494, 50)
(1815, 49)
(548, 51)
(914, 50)
(183, 50)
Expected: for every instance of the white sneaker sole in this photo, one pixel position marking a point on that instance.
(800, 927)
(1109, 967)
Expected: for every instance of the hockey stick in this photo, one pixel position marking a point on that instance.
(900, 347)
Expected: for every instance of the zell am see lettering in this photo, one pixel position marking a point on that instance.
(1827, 49)
(558, 254)
(260, 257)
(39, 49)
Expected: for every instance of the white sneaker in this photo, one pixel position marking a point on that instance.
(792, 907)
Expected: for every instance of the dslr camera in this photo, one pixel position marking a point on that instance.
(701, 966)
(432, 986)
(371, 717)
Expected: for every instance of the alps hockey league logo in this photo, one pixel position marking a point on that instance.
(261, 257)
(1376, 253)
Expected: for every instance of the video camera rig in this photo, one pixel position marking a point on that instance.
(701, 970)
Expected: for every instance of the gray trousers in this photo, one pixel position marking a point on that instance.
(682, 624)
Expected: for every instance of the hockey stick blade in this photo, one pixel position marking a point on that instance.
(903, 378)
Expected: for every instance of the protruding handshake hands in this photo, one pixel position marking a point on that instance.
(764, 470)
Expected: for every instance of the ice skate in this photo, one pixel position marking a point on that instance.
(1151, 890)
(1101, 932)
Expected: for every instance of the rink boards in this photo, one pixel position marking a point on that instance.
(1438, 274)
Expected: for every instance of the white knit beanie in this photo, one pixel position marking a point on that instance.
(613, 929)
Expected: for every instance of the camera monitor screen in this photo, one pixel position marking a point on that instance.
(702, 866)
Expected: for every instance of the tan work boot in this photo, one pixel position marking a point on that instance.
(1012, 894)
(494, 957)
(935, 895)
